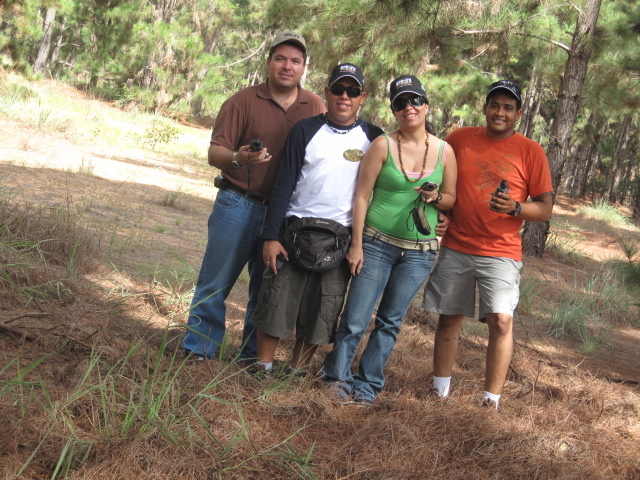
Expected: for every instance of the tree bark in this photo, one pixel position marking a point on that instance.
(55, 53)
(535, 235)
(582, 168)
(636, 203)
(593, 162)
(632, 154)
(619, 156)
(40, 64)
(531, 104)
(581, 159)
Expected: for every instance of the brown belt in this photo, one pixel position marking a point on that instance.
(232, 186)
(424, 245)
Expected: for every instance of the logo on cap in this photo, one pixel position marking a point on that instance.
(348, 68)
(403, 83)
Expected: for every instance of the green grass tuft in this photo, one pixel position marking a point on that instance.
(604, 211)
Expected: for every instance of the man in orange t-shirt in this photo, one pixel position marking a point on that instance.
(482, 245)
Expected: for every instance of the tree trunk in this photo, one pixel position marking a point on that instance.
(582, 157)
(636, 203)
(40, 63)
(627, 180)
(535, 235)
(55, 53)
(572, 166)
(632, 154)
(531, 104)
(71, 61)
(582, 168)
(593, 162)
(619, 156)
(165, 10)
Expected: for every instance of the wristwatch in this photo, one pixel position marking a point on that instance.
(516, 211)
(234, 161)
(438, 199)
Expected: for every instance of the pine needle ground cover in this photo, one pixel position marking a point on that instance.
(93, 383)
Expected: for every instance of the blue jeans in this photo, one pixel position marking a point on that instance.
(396, 274)
(235, 226)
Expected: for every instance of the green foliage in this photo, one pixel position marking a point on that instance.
(11, 93)
(591, 309)
(190, 55)
(604, 211)
(159, 133)
(148, 391)
(630, 269)
(565, 244)
(530, 289)
(630, 246)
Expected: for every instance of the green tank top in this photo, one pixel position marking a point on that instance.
(394, 198)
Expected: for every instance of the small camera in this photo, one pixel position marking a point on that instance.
(428, 186)
(502, 188)
(280, 261)
(220, 182)
(255, 145)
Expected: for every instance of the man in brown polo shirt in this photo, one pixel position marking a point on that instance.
(264, 112)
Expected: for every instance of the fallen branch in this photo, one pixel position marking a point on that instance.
(26, 315)
(79, 342)
(32, 338)
(17, 331)
(628, 381)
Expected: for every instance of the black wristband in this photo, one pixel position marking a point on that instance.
(516, 211)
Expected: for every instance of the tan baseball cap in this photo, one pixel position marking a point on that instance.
(289, 36)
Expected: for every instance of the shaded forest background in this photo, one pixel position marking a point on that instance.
(579, 63)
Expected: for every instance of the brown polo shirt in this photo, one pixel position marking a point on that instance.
(252, 114)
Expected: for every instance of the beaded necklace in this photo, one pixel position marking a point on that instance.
(340, 132)
(424, 162)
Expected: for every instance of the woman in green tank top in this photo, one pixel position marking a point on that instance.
(389, 256)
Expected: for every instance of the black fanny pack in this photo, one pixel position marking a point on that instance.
(316, 244)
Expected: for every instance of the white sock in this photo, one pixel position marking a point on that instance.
(442, 384)
(265, 365)
(486, 396)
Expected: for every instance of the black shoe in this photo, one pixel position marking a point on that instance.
(296, 372)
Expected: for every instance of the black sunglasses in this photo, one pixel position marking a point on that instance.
(400, 104)
(338, 90)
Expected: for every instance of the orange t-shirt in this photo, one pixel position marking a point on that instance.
(482, 164)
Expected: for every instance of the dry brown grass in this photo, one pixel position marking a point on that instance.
(76, 361)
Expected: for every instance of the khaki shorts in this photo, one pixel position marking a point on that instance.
(451, 289)
(309, 302)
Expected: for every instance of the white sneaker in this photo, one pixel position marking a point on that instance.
(490, 405)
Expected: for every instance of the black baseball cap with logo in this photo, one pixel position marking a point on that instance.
(347, 70)
(404, 84)
(508, 85)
